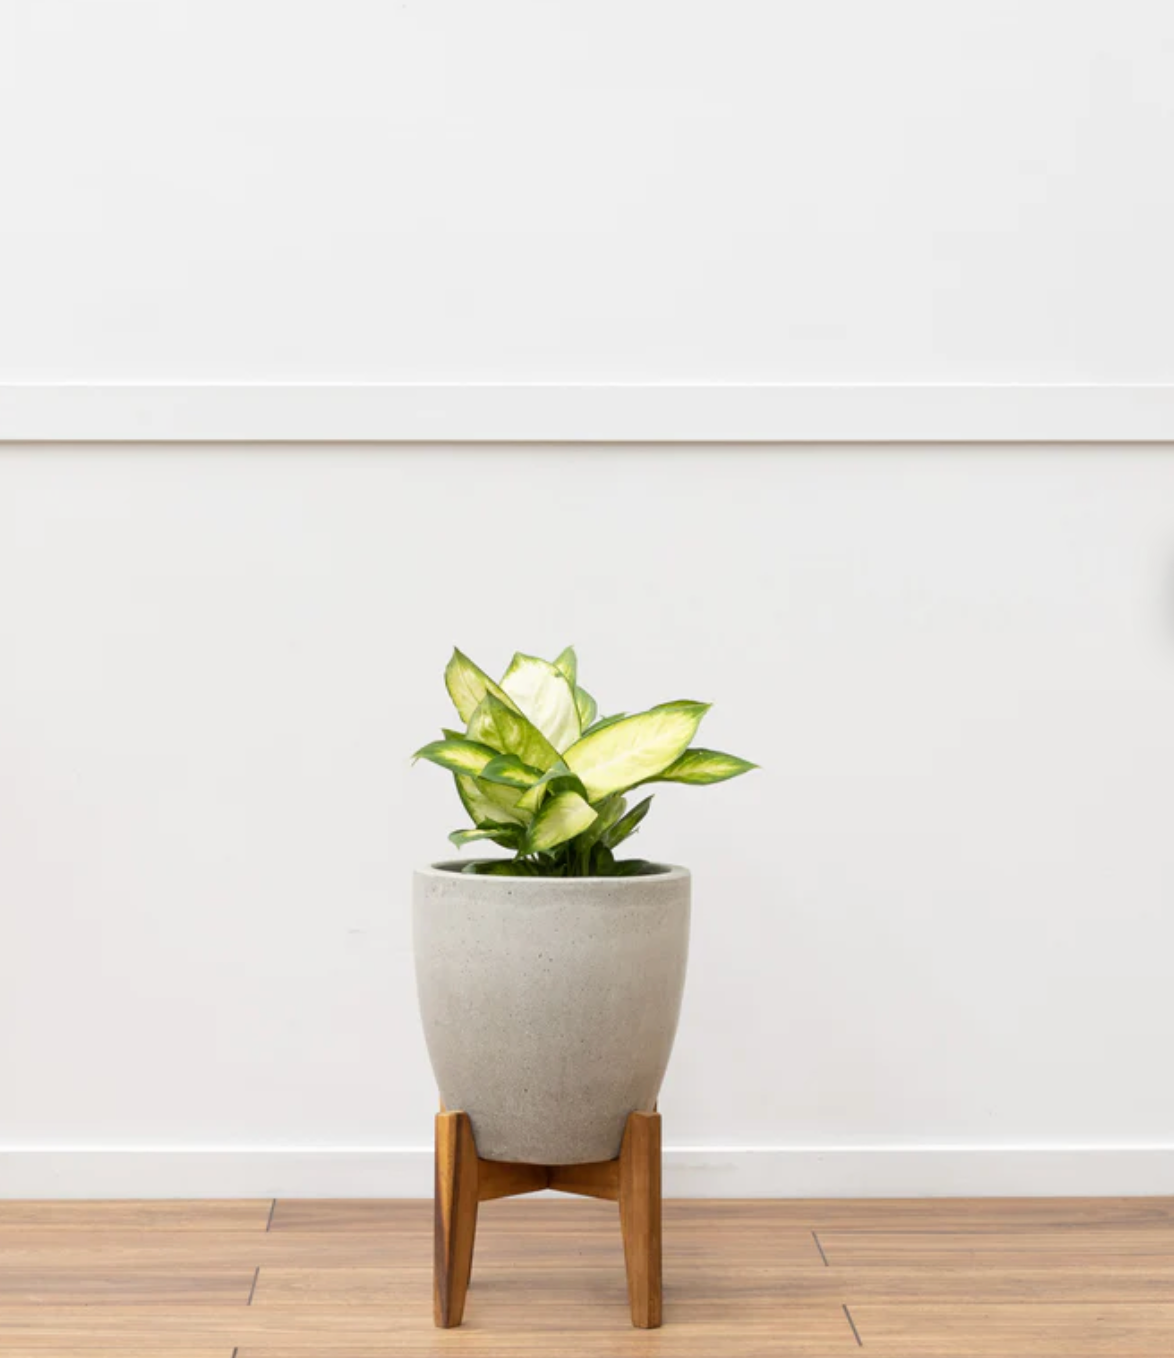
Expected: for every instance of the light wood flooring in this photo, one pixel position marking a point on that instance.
(1014, 1278)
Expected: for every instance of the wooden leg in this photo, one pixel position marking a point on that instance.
(463, 1180)
(456, 1217)
(640, 1216)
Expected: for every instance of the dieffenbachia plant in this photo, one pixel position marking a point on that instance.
(541, 773)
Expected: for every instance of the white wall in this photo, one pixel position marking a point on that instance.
(671, 190)
(933, 936)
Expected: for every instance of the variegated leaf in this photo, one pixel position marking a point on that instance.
(467, 684)
(533, 798)
(587, 707)
(508, 836)
(488, 803)
(556, 779)
(633, 750)
(604, 721)
(509, 732)
(568, 662)
(542, 693)
(508, 770)
(608, 811)
(562, 817)
(566, 782)
(701, 767)
(458, 754)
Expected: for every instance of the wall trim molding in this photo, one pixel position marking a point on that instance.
(638, 413)
(698, 1172)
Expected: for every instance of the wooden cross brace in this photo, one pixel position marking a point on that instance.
(463, 1180)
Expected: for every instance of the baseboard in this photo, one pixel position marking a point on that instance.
(584, 413)
(697, 1172)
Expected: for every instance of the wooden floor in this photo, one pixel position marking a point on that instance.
(352, 1279)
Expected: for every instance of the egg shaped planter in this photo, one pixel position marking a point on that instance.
(550, 1004)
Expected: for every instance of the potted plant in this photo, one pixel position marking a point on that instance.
(550, 980)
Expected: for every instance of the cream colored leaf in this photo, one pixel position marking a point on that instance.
(627, 752)
(542, 693)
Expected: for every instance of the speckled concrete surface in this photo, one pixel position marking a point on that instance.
(550, 1004)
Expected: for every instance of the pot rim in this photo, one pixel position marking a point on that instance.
(450, 868)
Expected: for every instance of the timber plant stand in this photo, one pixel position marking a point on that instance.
(463, 1180)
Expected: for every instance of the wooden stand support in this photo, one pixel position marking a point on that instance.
(463, 1180)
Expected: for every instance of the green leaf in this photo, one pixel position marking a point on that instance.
(566, 782)
(509, 732)
(633, 867)
(569, 664)
(468, 684)
(562, 817)
(633, 750)
(534, 797)
(501, 867)
(609, 811)
(701, 767)
(626, 826)
(506, 800)
(558, 778)
(601, 861)
(544, 695)
(508, 836)
(509, 770)
(587, 707)
(488, 803)
(457, 753)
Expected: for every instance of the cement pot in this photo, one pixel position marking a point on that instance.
(550, 1004)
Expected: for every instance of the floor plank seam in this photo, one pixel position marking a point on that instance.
(145, 1280)
(855, 1331)
(819, 1247)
